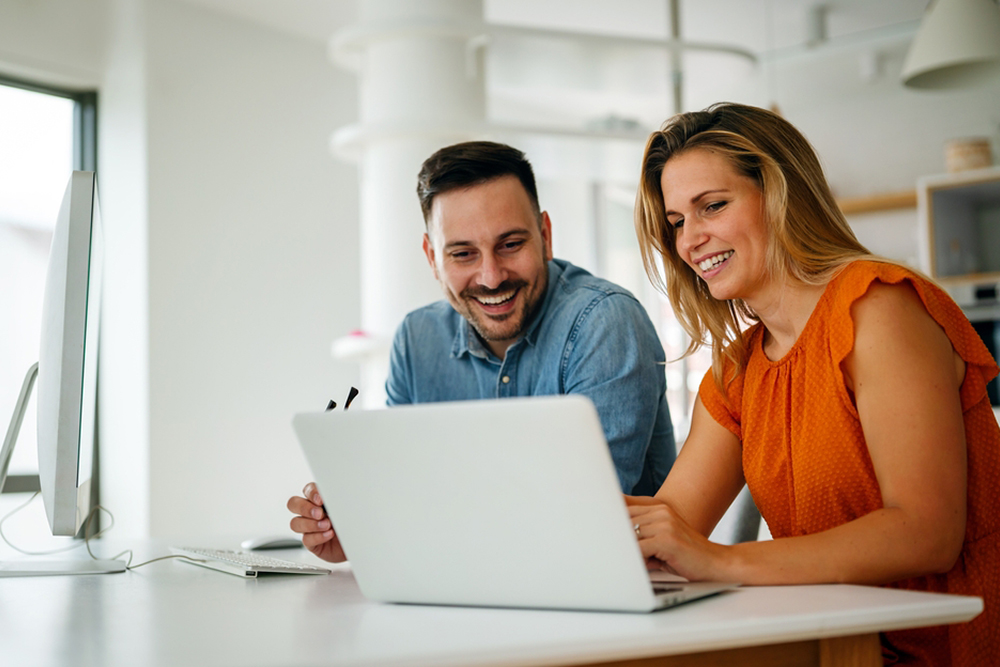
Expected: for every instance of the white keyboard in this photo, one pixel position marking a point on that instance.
(243, 563)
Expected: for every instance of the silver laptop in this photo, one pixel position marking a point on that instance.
(500, 503)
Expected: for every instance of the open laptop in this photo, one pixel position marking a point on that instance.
(501, 503)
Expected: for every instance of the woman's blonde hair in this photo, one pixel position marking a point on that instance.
(809, 239)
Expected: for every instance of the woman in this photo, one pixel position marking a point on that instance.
(854, 407)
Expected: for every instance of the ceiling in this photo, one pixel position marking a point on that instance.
(312, 19)
(587, 84)
(759, 25)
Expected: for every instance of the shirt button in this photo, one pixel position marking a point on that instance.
(505, 379)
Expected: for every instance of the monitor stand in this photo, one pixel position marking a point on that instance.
(33, 568)
(15, 422)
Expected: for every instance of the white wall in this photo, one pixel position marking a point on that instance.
(231, 237)
(58, 42)
(252, 265)
(232, 232)
(123, 401)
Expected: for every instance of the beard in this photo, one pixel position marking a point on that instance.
(509, 325)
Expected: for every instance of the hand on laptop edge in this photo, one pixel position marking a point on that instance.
(314, 525)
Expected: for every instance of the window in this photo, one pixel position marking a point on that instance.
(45, 133)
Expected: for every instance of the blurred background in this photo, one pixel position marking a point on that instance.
(256, 165)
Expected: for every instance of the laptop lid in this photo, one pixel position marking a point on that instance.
(510, 502)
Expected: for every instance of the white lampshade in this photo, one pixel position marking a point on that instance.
(958, 43)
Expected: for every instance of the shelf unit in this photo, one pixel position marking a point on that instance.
(959, 219)
(959, 234)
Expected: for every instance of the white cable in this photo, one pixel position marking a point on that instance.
(86, 538)
(25, 551)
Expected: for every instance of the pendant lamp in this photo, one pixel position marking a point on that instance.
(958, 44)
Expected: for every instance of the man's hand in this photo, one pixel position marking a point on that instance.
(312, 523)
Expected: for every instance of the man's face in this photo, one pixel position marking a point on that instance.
(489, 252)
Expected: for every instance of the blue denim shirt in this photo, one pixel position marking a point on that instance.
(590, 337)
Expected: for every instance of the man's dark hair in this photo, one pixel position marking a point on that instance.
(472, 163)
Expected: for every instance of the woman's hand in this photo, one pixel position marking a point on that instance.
(312, 523)
(669, 543)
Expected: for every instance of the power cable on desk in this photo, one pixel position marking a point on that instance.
(86, 538)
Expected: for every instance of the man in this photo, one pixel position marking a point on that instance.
(517, 322)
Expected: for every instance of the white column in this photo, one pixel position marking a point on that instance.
(421, 87)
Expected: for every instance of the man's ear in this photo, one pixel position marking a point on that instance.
(429, 253)
(547, 235)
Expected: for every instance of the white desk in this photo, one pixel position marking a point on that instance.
(172, 613)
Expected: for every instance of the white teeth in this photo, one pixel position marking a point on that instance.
(494, 300)
(714, 261)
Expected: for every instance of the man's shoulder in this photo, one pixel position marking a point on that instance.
(578, 288)
(585, 307)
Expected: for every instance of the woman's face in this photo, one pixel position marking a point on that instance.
(718, 220)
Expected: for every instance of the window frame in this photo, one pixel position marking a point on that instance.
(84, 159)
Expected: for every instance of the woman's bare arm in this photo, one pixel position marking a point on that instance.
(707, 475)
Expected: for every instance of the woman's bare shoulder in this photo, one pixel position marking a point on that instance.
(892, 326)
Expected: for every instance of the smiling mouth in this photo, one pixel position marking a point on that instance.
(496, 299)
(712, 262)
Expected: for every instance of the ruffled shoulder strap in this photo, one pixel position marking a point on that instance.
(853, 282)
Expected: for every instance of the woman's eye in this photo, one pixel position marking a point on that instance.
(676, 224)
(715, 206)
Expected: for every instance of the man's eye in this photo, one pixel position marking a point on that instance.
(461, 255)
(512, 245)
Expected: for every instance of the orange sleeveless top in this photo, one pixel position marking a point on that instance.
(807, 465)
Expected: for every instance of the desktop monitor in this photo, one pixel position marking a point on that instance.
(67, 375)
(67, 362)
